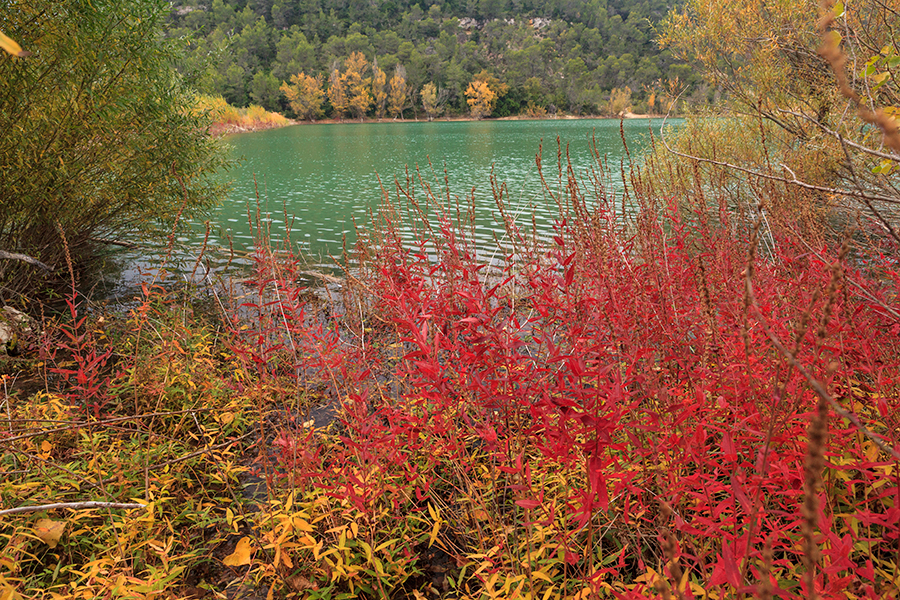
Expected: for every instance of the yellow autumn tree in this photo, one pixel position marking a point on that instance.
(379, 90)
(399, 92)
(480, 98)
(433, 100)
(337, 92)
(619, 101)
(359, 98)
(498, 87)
(305, 95)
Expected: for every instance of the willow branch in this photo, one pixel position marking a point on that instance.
(70, 506)
(842, 139)
(793, 180)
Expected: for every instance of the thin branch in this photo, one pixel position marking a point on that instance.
(24, 258)
(182, 458)
(842, 139)
(129, 245)
(70, 506)
(792, 181)
(81, 424)
(814, 383)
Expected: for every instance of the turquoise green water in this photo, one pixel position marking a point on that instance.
(325, 176)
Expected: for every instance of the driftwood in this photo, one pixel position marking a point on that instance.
(24, 258)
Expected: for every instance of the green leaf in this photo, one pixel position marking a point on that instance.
(838, 9)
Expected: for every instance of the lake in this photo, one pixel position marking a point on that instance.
(325, 176)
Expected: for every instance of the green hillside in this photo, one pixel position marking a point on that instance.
(558, 55)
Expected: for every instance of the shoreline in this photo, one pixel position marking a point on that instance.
(223, 129)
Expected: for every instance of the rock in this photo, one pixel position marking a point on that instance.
(13, 325)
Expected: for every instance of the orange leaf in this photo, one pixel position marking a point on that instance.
(241, 554)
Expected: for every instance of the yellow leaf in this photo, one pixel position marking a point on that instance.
(435, 514)
(434, 533)
(541, 575)
(379, 567)
(317, 549)
(367, 548)
(241, 554)
(11, 46)
(49, 531)
(301, 525)
(838, 9)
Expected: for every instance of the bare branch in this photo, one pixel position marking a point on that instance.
(24, 258)
(70, 506)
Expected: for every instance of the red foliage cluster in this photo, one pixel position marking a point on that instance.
(726, 401)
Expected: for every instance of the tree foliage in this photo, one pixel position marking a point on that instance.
(481, 98)
(358, 86)
(337, 92)
(433, 100)
(818, 81)
(96, 134)
(379, 90)
(447, 44)
(399, 92)
(305, 95)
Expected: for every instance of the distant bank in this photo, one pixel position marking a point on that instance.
(249, 125)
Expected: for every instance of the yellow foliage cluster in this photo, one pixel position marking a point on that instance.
(226, 114)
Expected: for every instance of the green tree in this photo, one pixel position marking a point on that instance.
(102, 152)
(264, 90)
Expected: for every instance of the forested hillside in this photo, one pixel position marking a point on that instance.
(524, 56)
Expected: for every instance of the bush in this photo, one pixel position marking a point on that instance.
(695, 407)
(96, 135)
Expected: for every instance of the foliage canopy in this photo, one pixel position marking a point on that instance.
(234, 44)
(817, 81)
